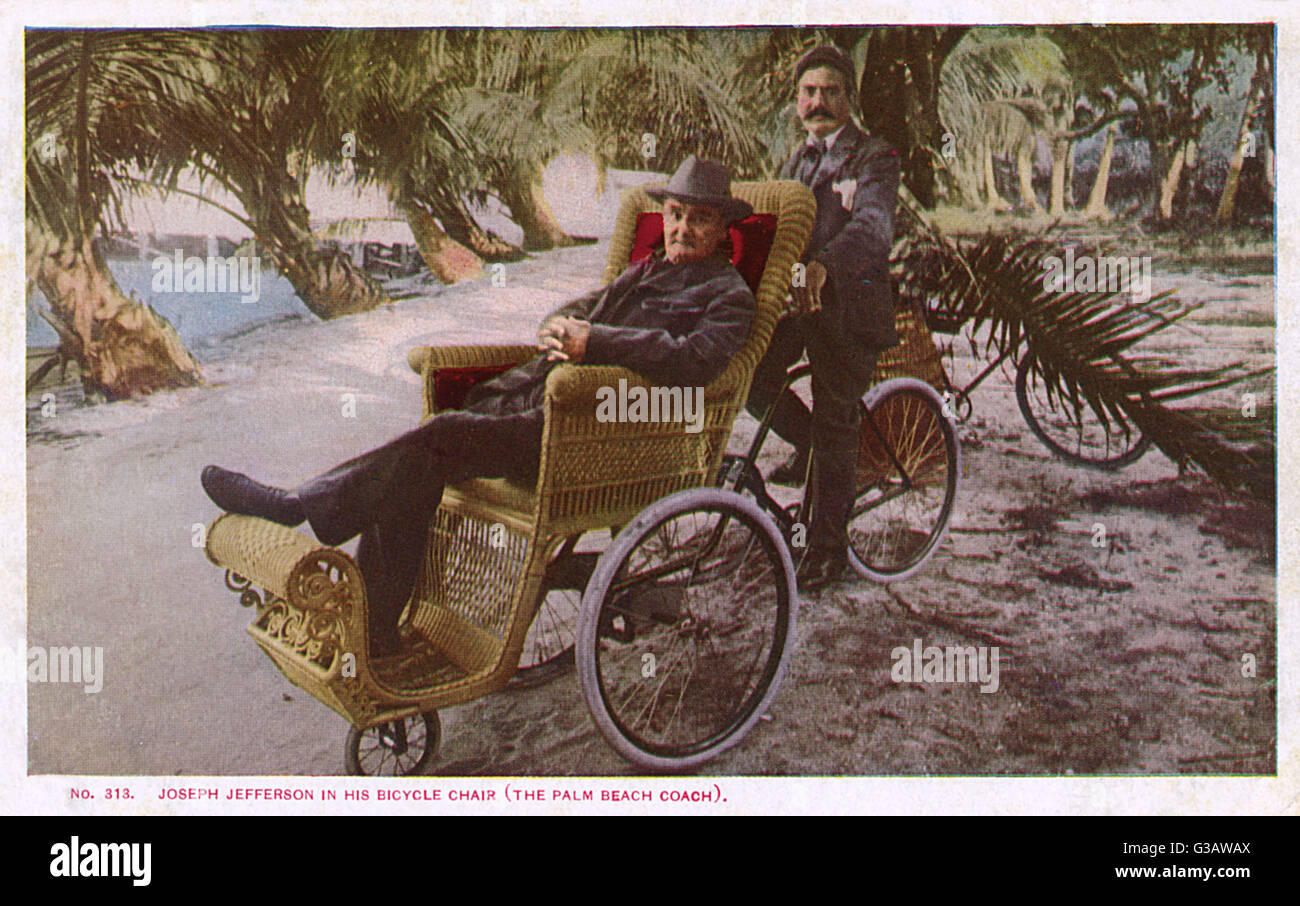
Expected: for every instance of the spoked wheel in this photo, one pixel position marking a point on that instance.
(395, 749)
(1073, 431)
(908, 463)
(548, 647)
(686, 628)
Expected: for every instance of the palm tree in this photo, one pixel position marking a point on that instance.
(515, 106)
(898, 93)
(1259, 39)
(401, 137)
(252, 128)
(996, 90)
(536, 95)
(86, 93)
(1159, 70)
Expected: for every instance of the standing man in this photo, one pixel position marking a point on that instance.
(843, 306)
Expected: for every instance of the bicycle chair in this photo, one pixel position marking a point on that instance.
(492, 540)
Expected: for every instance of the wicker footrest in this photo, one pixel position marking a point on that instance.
(419, 665)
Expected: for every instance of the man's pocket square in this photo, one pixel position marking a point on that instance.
(847, 190)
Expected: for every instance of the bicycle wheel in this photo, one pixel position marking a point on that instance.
(686, 628)
(548, 647)
(1077, 436)
(908, 464)
(396, 749)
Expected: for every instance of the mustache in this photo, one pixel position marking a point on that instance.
(818, 111)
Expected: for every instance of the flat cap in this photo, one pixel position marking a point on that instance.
(827, 55)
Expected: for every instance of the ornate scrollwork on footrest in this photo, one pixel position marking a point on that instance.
(325, 588)
(247, 596)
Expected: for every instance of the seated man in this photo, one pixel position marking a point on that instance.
(676, 318)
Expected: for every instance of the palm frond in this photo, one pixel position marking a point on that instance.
(1080, 346)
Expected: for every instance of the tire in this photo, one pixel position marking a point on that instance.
(371, 752)
(686, 629)
(901, 514)
(1078, 437)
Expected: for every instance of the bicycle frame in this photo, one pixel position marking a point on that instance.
(741, 472)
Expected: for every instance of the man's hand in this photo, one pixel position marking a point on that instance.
(563, 339)
(808, 298)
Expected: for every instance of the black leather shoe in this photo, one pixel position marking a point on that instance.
(819, 570)
(793, 472)
(236, 493)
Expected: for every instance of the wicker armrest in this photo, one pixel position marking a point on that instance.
(569, 386)
(422, 359)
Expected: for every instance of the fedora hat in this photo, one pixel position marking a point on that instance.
(703, 182)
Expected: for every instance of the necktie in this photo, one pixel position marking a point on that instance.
(812, 158)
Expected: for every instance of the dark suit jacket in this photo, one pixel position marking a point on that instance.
(675, 324)
(853, 243)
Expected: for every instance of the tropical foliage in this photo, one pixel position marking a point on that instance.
(85, 130)
(1081, 346)
(444, 120)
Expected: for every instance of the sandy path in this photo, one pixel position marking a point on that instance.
(1123, 659)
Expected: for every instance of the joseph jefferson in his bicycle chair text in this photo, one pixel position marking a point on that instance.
(675, 318)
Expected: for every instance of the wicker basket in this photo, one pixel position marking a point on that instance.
(915, 355)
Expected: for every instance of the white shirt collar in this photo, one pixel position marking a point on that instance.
(829, 140)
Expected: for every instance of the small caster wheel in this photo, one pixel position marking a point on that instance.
(399, 748)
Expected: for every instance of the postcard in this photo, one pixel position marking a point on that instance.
(638, 416)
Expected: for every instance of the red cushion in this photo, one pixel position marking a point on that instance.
(452, 385)
(751, 240)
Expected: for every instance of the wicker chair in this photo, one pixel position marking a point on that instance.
(492, 540)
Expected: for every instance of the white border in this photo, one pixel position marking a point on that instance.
(20, 794)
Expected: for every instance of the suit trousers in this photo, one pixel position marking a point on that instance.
(840, 376)
(389, 497)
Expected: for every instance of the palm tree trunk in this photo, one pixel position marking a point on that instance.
(328, 283)
(1096, 209)
(1025, 169)
(123, 347)
(449, 261)
(487, 245)
(1060, 150)
(1069, 175)
(1270, 175)
(1228, 200)
(1169, 185)
(995, 201)
(529, 208)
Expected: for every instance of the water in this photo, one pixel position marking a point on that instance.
(201, 319)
